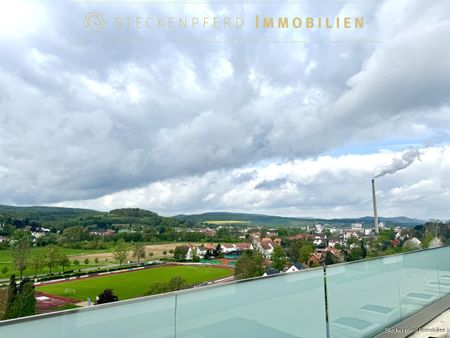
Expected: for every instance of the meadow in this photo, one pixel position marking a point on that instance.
(6, 260)
(133, 284)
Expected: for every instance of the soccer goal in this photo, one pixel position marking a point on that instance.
(68, 290)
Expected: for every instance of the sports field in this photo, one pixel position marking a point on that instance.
(133, 284)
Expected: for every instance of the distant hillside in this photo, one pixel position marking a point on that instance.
(60, 218)
(286, 221)
(45, 213)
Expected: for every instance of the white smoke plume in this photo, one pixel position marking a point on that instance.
(400, 163)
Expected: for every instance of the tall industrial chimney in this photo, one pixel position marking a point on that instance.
(375, 211)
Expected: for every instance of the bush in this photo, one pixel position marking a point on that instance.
(107, 296)
(174, 284)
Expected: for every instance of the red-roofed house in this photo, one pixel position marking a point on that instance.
(315, 259)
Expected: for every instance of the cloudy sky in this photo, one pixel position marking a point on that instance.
(287, 122)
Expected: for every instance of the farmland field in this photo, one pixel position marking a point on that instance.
(156, 249)
(226, 222)
(133, 284)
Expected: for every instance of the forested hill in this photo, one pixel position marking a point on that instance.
(45, 213)
(57, 218)
(277, 220)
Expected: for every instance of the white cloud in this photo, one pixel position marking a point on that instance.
(323, 187)
(119, 119)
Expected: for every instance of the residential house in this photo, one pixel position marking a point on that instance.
(266, 249)
(337, 255)
(244, 246)
(315, 259)
(267, 240)
(277, 241)
(270, 272)
(209, 232)
(295, 267)
(227, 248)
(298, 237)
(190, 252)
(201, 251)
(351, 233)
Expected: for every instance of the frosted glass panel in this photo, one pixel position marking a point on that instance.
(443, 262)
(418, 281)
(147, 318)
(285, 306)
(362, 297)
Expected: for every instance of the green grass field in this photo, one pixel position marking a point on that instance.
(134, 284)
(6, 260)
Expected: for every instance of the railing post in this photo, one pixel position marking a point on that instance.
(324, 266)
(175, 318)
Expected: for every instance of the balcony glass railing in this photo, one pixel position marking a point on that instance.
(363, 298)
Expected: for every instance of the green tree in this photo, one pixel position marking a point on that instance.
(52, 254)
(11, 294)
(75, 234)
(20, 299)
(223, 233)
(37, 263)
(20, 255)
(293, 251)
(263, 233)
(278, 258)
(218, 251)
(63, 261)
(329, 258)
(180, 252)
(306, 249)
(355, 254)
(76, 262)
(195, 257)
(25, 302)
(386, 235)
(96, 260)
(86, 261)
(121, 251)
(363, 249)
(352, 240)
(138, 251)
(282, 232)
(250, 264)
(427, 240)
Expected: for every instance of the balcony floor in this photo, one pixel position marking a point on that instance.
(440, 322)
